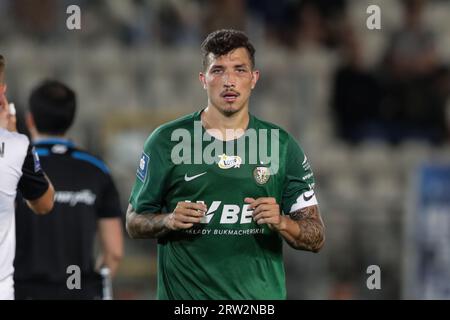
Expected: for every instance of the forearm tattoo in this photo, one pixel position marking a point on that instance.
(147, 226)
(311, 235)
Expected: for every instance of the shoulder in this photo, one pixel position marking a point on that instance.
(287, 142)
(164, 132)
(14, 136)
(276, 130)
(89, 159)
(184, 122)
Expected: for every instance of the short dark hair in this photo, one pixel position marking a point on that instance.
(53, 106)
(222, 41)
(2, 67)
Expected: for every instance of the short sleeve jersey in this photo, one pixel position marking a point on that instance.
(228, 255)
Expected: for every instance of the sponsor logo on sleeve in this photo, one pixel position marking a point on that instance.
(305, 164)
(308, 195)
(306, 199)
(143, 167)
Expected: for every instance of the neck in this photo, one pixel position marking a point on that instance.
(220, 125)
(41, 136)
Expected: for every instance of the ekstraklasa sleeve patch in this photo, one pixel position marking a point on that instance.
(143, 167)
(37, 162)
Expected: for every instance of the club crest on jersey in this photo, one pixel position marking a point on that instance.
(261, 175)
(227, 162)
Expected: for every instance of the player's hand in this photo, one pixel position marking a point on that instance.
(266, 211)
(185, 215)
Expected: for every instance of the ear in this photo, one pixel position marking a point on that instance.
(255, 78)
(202, 78)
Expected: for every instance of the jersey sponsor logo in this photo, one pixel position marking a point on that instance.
(143, 167)
(231, 213)
(2, 150)
(306, 199)
(305, 164)
(37, 162)
(211, 210)
(261, 175)
(72, 198)
(187, 179)
(308, 195)
(227, 162)
(308, 176)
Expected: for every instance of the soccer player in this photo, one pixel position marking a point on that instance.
(19, 169)
(220, 224)
(54, 248)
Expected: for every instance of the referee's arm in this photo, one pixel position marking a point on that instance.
(111, 241)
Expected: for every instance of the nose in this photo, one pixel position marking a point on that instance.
(229, 81)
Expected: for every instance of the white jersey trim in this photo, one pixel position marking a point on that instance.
(306, 199)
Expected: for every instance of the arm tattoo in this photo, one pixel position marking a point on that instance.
(150, 225)
(311, 236)
(304, 213)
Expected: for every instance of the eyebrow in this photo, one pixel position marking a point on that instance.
(243, 65)
(219, 66)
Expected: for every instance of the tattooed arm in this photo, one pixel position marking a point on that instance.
(155, 225)
(302, 229)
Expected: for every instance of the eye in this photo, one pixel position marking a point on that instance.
(241, 70)
(216, 71)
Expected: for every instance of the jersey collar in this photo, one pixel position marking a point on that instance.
(61, 141)
(251, 121)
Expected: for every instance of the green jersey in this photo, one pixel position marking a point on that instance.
(228, 255)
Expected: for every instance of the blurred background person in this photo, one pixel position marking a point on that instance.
(86, 204)
(411, 107)
(19, 170)
(356, 93)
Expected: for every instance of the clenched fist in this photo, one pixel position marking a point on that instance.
(185, 215)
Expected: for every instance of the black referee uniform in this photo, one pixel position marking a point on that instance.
(48, 245)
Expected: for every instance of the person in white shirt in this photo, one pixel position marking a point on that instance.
(19, 170)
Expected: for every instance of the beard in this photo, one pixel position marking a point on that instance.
(229, 110)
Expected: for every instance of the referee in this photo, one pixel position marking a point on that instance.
(55, 253)
(19, 169)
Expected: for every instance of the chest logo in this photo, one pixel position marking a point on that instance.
(261, 175)
(227, 162)
(187, 179)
